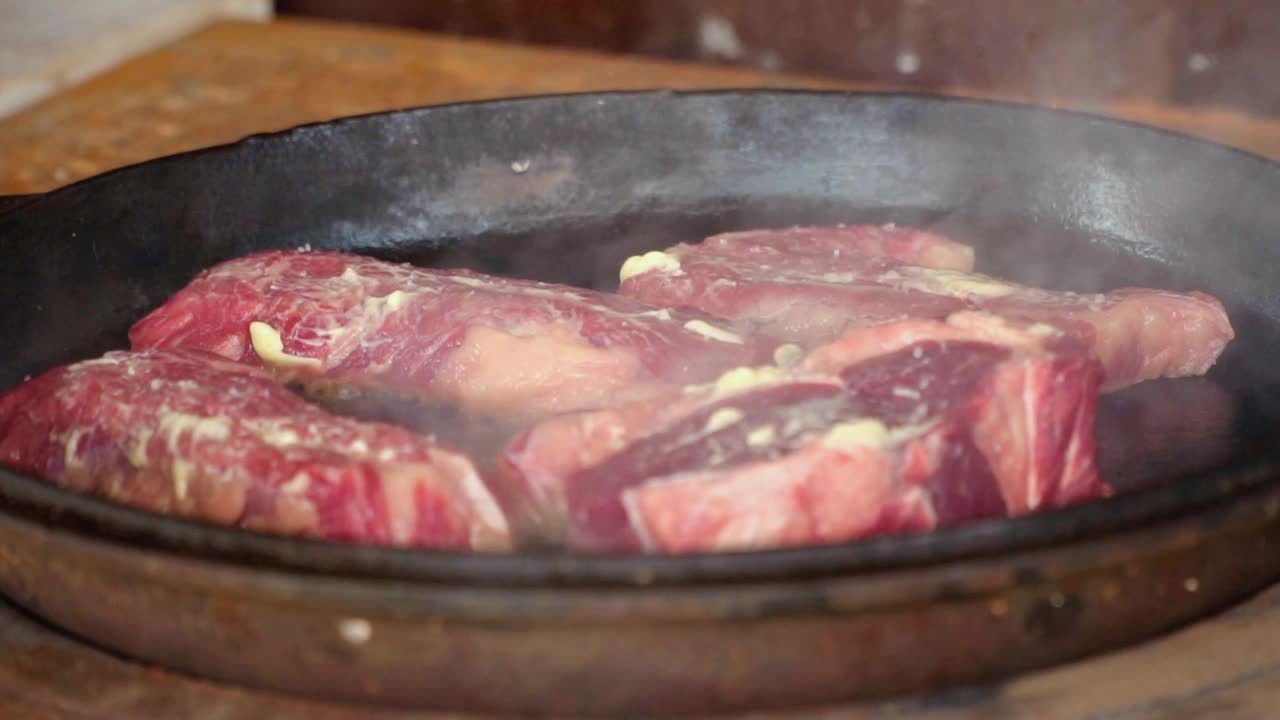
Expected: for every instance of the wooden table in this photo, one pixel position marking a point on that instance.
(236, 79)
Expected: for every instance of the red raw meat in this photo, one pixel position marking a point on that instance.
(901, 427)
(806, 285)
(195, 435)
(843, 242)
(492, 345)
(811, 294)
(1030, 415)
(1138, 334)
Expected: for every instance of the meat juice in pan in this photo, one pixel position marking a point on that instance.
(905, 515)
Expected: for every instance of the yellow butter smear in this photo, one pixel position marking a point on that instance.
(762, 436)
(269, 346)
(723, 418)
(788, 355)
(652, 260)
(850, 436)
(711, 332)
(396, 299)
(951, 282)
(744, 378)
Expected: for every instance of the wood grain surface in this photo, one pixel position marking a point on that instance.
(42, 51)
(236, 79)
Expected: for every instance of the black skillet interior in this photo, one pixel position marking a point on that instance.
(564, 188)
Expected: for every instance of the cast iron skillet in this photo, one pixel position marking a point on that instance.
(563, 188)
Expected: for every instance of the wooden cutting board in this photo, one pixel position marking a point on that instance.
(45, 47)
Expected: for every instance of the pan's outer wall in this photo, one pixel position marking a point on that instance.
(636, 651)
(80, 264)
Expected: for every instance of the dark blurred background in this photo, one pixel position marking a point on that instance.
(1185, 52)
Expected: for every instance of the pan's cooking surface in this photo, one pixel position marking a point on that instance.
(563, 189)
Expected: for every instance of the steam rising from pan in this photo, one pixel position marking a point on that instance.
(1145, 433)
(1045, 213)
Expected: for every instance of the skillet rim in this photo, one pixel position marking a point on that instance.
(14, 203)
(25, 495)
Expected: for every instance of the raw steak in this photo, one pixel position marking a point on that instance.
(490, 345)
(806, 285)
(195, 435)
(1138, 334)
(902, 427)
(841, 243)
(813, 293)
